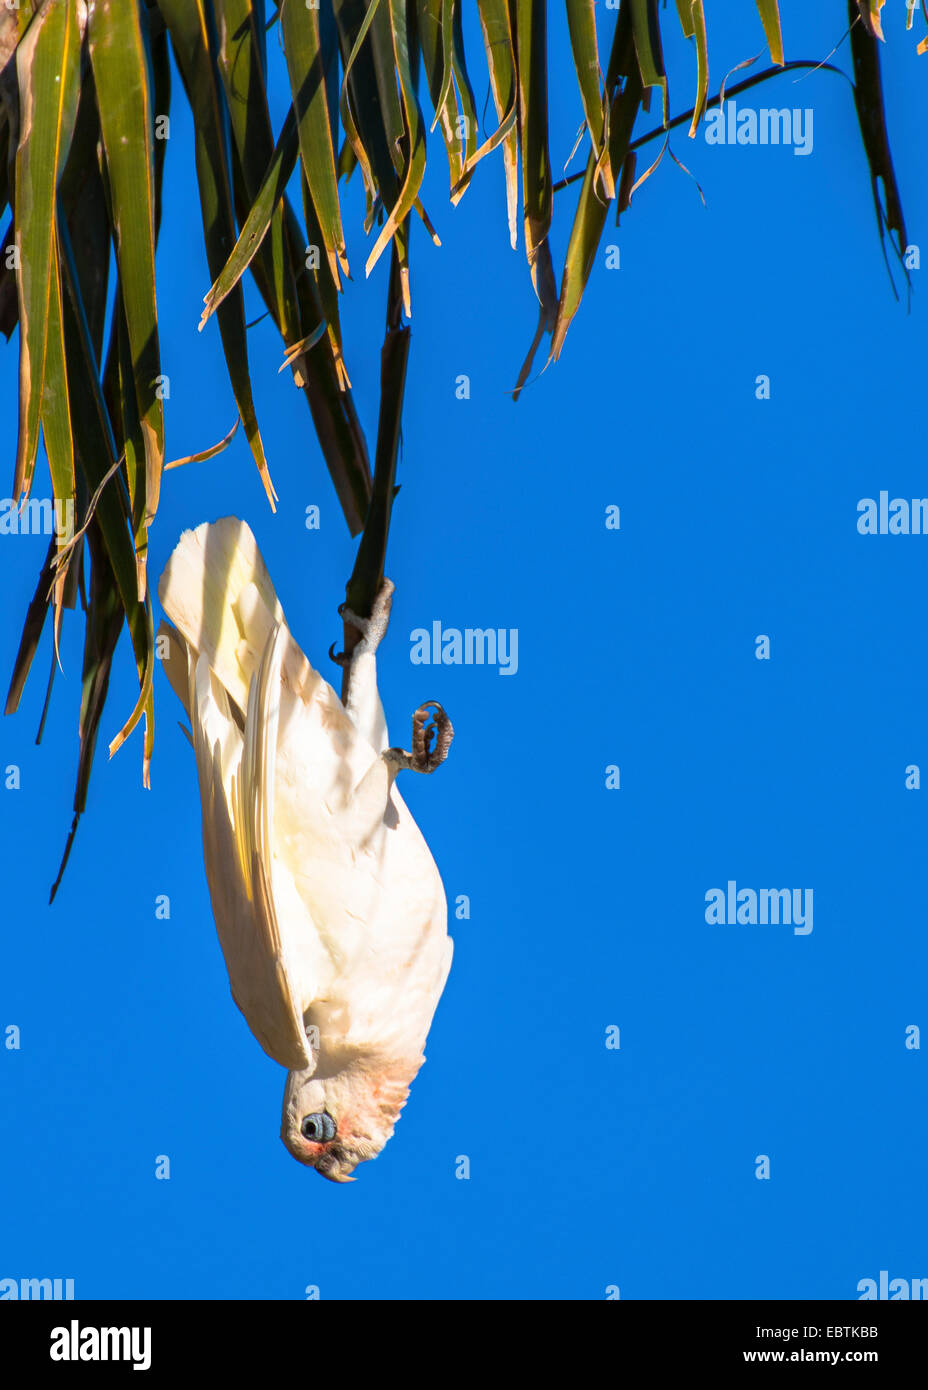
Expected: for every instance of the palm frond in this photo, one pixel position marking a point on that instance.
(82, 105)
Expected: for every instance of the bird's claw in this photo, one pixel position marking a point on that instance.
(372, 629)
(430, 741)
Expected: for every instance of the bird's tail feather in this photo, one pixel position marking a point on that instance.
(217, 592)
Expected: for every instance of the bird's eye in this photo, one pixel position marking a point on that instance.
(320, 1128)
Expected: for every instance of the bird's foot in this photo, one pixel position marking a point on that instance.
(372, 629)
(432, 733)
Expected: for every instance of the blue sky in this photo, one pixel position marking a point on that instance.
(590, 1167)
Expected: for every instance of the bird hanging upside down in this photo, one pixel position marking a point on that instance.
(329, 907)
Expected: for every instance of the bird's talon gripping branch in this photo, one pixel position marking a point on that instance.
(372, 629)
(430, 741)
(340, 658)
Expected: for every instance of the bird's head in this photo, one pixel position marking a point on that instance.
(333, 1123)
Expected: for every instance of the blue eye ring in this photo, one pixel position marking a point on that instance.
(319, 1128)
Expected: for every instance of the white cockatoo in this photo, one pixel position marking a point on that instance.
(328, 905)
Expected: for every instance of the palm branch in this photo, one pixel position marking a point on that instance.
(85, 108)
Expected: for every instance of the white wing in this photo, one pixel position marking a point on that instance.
(235, 821)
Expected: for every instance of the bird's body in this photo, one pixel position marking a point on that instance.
(328, 904)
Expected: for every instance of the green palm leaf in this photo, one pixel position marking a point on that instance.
(82, 168)
(119, 53)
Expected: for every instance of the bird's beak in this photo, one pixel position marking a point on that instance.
(330, 1167)
(335, 1165)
